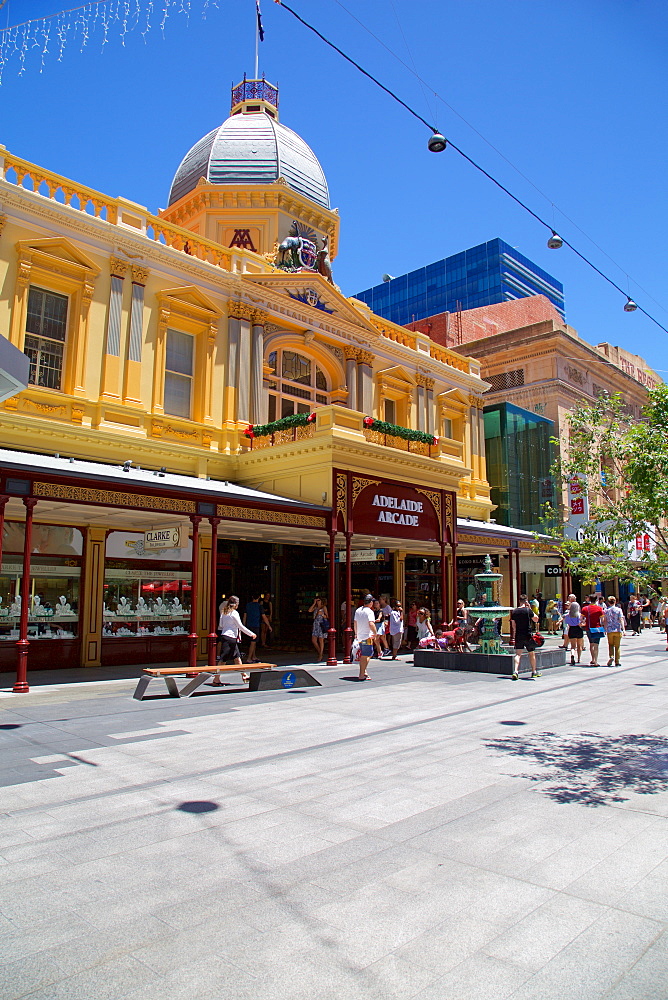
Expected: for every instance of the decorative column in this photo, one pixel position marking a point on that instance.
(194, 583)
(445, 587)
(257, 394)
(132, 382)
(348, 632)
(511, 581)
(331, 602)
(351, 355)
(518, 574)
(212, 638)
(429, 405)
(453, 577)
(19, 311)
(92, 599)
(421, 381)
(365, 382)
(112, 373)
(3, 503)
(21, 684)
(239, 360)
(232, 366)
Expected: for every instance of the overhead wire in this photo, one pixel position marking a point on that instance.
(465, 156)
(424, 83)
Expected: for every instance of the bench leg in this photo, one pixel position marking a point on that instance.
(141, 687)
(192, 685)
(172, 688)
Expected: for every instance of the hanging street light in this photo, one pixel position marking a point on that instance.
(555, 241)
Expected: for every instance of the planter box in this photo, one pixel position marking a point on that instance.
(481, 664)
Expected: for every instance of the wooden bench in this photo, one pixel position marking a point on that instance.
(203, 674)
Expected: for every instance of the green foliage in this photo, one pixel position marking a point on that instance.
(401, 432)
(294, 420)
(623, 470)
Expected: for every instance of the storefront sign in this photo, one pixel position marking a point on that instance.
(475, 562)
(396, 510)
(553, 571)
(362, 555)
(165, 538)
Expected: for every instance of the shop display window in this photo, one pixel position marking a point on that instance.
(146, 602)
(54, 591)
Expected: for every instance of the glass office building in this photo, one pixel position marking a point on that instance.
(519, 456)
(482, 276)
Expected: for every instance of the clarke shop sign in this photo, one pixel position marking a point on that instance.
(165, 538)
(395, 510)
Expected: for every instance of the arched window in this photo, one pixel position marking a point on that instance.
(298, 385)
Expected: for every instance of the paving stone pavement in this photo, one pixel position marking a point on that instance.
(427, 834)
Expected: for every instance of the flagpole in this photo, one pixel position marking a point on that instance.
(257, 45)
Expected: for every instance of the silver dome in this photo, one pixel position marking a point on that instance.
(252, 149)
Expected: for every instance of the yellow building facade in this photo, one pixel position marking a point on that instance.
(156, 342)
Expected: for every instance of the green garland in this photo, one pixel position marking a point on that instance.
(294, 420)
(401, 432)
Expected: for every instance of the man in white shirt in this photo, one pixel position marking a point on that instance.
(365, 628)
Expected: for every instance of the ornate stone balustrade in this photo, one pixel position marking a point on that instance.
(282, 437)
(116, 211)
(391, 441)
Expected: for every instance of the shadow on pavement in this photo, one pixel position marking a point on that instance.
(591, 769)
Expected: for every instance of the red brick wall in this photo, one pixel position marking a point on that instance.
(487, 320)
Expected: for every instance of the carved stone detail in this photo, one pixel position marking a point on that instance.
(24, 272)
(111, 498)
(258, 317)
(360, 484)
(365, 358)
(118, 267)
(139, 274)
(3, 220)
(351, 353)
(273, 516)
(240, 310)
(434, 497)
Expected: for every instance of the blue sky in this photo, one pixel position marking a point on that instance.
(572, 93)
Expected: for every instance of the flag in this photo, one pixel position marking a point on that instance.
(260, 29)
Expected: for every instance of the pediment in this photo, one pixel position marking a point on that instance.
(312, 291)
(189, 296)
(60, 249)
(397, 376)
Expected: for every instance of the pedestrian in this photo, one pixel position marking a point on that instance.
(411, 629)
(615, 624)
(525, 621)
(266, 626)
(365, 629)
(661, 613)
(553, 617)
(424, 626)
(645, 612)
(229, 626)
(664, 622)
(461, 619)
(570, 601)
(254, 619)
(593, 615)
(573, 624)
(383, 624)
(633, 614)
(320, 626)
(396, 627)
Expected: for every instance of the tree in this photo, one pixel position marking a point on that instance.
(620, 470)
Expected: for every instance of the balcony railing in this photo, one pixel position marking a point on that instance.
(122, 213)
(282, 437)
(348, 426)
(392, 441)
